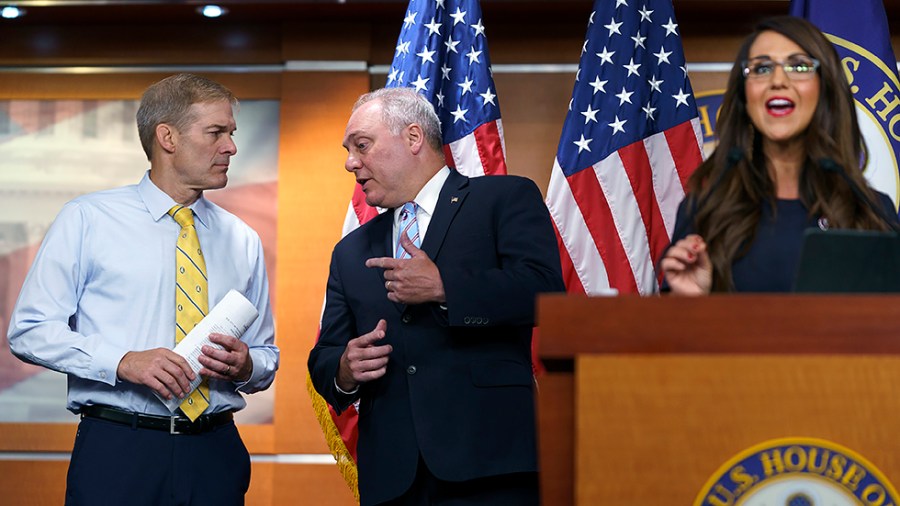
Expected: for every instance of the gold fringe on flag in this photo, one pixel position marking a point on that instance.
(336, 445)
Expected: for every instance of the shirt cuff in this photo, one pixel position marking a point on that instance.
(105, 364)
(340, 390)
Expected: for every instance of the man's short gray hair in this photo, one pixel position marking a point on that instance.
(401, 107)
(169, 101)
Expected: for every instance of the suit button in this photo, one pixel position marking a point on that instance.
(411, 370)
(479, 320)
(467, 320)
(406, 318)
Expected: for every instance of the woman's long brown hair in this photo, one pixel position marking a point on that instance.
(728, 217)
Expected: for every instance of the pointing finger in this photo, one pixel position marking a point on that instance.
(408, 245)
(381, 263)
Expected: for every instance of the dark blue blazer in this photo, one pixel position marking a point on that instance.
(459, 385)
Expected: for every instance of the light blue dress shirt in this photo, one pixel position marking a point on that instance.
(103, 284)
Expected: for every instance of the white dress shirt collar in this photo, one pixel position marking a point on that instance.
(159, 202)
(427, 201)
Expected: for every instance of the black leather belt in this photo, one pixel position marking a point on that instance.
(177, 424)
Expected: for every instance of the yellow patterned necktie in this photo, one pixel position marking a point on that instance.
(191, 300)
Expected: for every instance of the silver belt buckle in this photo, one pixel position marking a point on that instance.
(172, 425)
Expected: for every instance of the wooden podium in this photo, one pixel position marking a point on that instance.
(646, 398)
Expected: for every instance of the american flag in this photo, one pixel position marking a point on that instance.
(442, 52)
(630, 140)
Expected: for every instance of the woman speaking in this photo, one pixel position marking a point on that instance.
(788, 158)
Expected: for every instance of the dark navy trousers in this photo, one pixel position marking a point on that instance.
(116, 465)
(519, 489)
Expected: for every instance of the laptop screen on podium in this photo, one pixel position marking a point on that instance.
(842, 261)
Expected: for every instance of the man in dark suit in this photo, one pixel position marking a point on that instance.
(434, 342)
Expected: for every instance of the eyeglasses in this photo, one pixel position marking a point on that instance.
(797, 67)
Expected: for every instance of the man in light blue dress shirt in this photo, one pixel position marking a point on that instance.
(99, 305)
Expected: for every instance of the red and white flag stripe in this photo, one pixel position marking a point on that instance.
(615, 218)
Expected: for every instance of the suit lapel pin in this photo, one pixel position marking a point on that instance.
(454, 200)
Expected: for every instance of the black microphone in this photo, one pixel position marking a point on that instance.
(829, 165)
(735, 155)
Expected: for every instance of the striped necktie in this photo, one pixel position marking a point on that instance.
(191, 300)
(410, 226)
